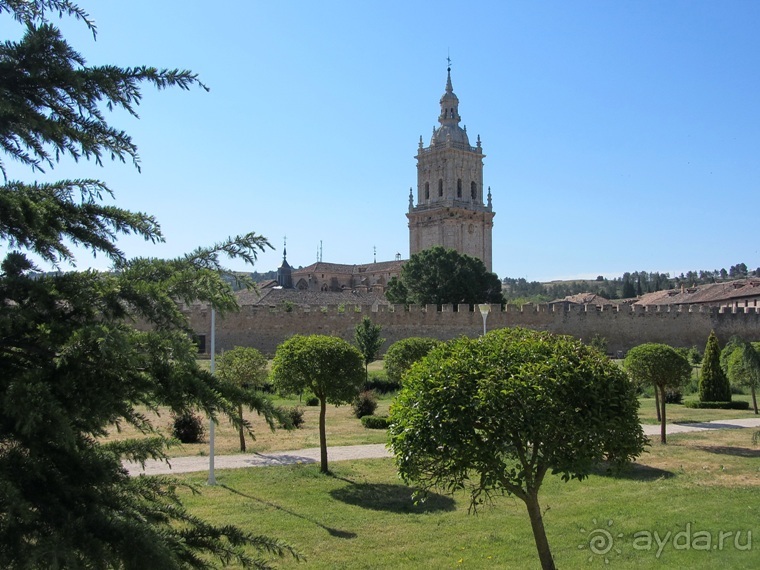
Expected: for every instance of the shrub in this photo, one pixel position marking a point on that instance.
(735, 405)
(381, 385)
(365, 404)
(403, 353)
(376, 422)
(188, 428)
(294, 416)
(673, 397)
(599, 343)
(312, 400)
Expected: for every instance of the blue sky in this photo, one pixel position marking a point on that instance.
(618, 135)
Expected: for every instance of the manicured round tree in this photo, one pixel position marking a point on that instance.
(403, 353)
(744, 369)
(246, 367)
(328, 366)
(713, 383)
(497, 413)
(660, 366)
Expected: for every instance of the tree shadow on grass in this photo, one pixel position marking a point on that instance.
(392, 498)
(632, 472)
(332, 531)
(729, 450)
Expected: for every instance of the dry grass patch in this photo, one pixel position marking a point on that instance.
(723, 458)
(343, 428)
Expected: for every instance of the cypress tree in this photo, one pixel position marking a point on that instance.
(713, 382)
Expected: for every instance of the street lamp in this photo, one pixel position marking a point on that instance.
(211, 475)
(484, 310)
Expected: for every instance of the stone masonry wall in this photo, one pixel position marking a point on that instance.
(266, 327)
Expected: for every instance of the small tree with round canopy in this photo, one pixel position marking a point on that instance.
(246, 367)
(496, 414)
(328, 366)
(403, 353)
(660, 366)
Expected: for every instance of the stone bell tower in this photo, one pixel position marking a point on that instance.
(450, 211)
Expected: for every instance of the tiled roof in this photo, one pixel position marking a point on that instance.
(713, 293)
(277, 296)
(324, 267)
(586, 299)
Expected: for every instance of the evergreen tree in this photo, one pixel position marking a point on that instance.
(713, 383)
(368, 339)
(72, 365)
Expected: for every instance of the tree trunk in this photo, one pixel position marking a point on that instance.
(663, 437)
(322, 436)
(754, 398)
(657, 403)
(241, 430)
(539, 534)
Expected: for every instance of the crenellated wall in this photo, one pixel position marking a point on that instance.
(624, 327)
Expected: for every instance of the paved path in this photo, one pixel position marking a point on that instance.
(348, 452)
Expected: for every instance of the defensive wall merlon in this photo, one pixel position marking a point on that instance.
(623, 326)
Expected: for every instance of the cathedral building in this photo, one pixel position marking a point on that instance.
(450, 211)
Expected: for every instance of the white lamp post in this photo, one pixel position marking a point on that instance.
(211, 478)
(484, 310)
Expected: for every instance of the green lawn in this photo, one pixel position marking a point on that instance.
(363, 517)
(680, 413)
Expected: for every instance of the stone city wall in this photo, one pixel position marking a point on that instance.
(623, 327)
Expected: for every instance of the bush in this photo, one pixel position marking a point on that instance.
(376, 422)
(294, 415)
(381, 385)
(188, 428)
(673, 397)
(365, 404)
(736, 405)
(403, 353)
(312, 400)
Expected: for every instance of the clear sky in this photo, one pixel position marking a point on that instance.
(619, 135)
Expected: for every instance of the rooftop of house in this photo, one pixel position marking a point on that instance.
(351, 269)
(273, 296)
(710, 294)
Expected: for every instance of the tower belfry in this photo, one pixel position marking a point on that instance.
(450, 211)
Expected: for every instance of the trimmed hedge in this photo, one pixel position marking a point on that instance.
(375, 422)
(736, 405)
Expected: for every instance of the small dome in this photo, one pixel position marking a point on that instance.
(457, 134)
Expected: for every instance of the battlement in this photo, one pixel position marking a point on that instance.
(623, 326)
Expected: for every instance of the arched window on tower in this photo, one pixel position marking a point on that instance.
(459, 188)
(440, 187)
(473, 191)
(427, 190)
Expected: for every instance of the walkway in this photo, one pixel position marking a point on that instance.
(349, 452)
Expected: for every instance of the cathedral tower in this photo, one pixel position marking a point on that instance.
(450, 211)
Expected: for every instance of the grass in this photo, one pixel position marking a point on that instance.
(362, 515)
